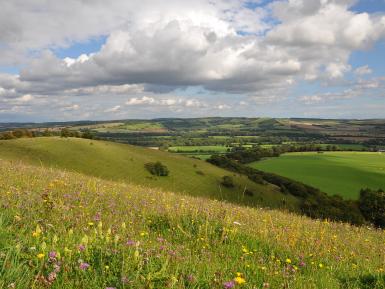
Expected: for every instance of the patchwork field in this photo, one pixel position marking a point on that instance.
(341, 173)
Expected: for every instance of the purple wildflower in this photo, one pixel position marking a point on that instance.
(131, 243)
(81, 248)
(229, 285)
(84, 266)
(52, 255)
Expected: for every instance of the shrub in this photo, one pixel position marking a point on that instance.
(372, 206)
(227, 182)
(157, 169)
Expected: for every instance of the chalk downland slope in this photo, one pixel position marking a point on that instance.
(121, 162)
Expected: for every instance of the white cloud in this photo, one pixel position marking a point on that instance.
(140, 101)
(154, 47)
(363, 70)
(374, 87)
(113, 109)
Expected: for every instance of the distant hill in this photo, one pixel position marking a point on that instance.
(120, 162)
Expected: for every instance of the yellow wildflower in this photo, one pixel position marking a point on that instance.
(37, 232)
(239, 280)
(40, 256)
(288, 261)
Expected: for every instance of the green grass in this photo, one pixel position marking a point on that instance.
(120, 162)
(341, 173)
(63, 230)
(217, 149)
(132, 126)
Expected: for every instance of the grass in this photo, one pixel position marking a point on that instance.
(120, 162)
(341, 173)
(187, 149)
(66, 230)
(132, 126)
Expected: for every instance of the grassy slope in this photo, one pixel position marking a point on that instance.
(342, 173)
(121, 162)
(135, 237)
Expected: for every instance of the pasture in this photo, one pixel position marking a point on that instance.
(340, 173)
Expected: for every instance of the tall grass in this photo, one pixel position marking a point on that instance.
(66, 230)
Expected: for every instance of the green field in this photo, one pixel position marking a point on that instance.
(120, 162)
(188, 149)
(341, 173)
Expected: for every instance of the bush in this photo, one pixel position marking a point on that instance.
(157, 169)
(372, 206)
(227, 182)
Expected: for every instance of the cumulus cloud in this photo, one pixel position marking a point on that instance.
(152, 48)
(374, 87)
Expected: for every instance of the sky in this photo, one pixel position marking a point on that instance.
(100, 60)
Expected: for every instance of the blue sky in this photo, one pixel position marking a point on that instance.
(288, 59)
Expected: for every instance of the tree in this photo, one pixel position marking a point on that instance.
(87, 134)
(65, 132)
(157, 169)
(47, 132)
(7, 135)
(372, 206)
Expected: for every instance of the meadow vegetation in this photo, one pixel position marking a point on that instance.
(121, 162)
(67, 230)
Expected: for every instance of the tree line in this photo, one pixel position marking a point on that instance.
(64, 132)
(370, 208)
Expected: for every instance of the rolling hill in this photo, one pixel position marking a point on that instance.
(120, 162)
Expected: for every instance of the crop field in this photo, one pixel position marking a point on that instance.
(64, 230)
(341, 173)
(120, 162)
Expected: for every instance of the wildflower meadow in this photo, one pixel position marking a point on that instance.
(66, 230)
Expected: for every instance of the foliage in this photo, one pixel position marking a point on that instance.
(372, 206)
(157, 169)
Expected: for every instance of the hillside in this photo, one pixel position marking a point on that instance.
(120, 162)
(340, 173)
(66, 230)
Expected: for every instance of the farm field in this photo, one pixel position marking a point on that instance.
(341, 173)
(188, 149)
(65, 230)
(120, 162)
